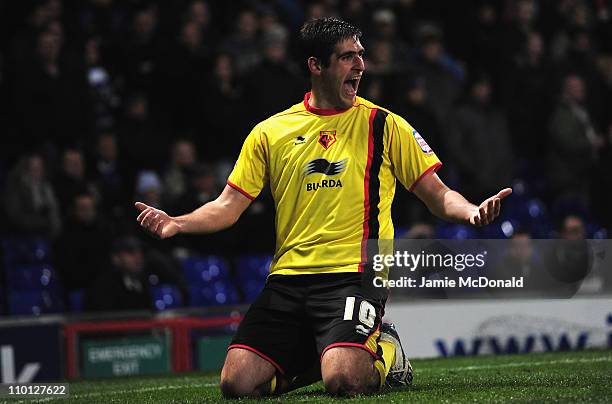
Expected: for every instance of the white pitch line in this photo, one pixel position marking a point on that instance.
(519, 364)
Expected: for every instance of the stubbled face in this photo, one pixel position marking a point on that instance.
(340, 80)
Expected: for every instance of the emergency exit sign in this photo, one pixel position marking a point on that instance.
(125, 356)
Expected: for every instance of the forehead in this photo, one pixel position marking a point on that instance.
(348, 45)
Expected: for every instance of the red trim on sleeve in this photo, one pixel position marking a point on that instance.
(261, 355)
(350, 344)
(366, 192)
(431, 169)
(242, 191)
(321, 111)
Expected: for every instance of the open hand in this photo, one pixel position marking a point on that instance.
(155, 221)
(489, 209)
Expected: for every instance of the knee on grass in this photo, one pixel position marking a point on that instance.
(236, 388)
(349, 384)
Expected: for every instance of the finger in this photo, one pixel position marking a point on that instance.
(142, 215)
(146, 220)
(490, 211)
(504, 193)
(497, 204)
(141, 206)
(154, 221)
(159, 228)
(483, 215)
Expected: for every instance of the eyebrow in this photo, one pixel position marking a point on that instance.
(351, 53)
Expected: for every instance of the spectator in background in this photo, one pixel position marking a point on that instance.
(81, 252)
(528, 90)
(572, 17)
(572, 228)
(523, 16)
(442, 75)
(149, 188)
(572, 145)
(385, 30)
(198, 12)
(101, 17)
(31, 206)
(381, 60)
(276, 78)
(124, 285)
(570, 261)
(184, 72)
(602, 183)
(52, 103)
(268, 20)
(386, 58)
(243, 44)
(139, 49)
(357, 13)
(412, 105)
(201, 188)
(480, 129)
(136, 129)
(110, 176)
(71, 180)
(482, 49)
(222, 103)
(105, 100)
(182, 159)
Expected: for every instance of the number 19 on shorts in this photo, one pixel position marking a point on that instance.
(367, 312)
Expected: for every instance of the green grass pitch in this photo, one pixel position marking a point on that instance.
(554, 377)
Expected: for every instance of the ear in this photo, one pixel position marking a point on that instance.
(314, 66)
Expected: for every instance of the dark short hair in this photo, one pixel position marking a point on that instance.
(318, 37)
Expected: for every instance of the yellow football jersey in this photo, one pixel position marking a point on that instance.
(332, 176)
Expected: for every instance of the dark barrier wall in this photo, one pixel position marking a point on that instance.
(31, 353)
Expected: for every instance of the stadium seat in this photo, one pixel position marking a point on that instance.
(596, 232)
(455, 232)
(251, 274)
(166, 297)
(201, 270)
(25, 251)
(214, 294)
(35, 302)
(76, 300)
(33, 277)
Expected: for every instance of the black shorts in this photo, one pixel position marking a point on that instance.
(296, 318)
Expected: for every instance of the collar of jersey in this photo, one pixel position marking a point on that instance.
(321, 111)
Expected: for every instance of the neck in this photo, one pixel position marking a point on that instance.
(316, 109)
(320, 99)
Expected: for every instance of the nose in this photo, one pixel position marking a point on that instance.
(358, 63)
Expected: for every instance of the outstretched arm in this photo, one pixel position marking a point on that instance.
(453, 207)
(209, 218)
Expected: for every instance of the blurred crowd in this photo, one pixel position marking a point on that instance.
(105, 102)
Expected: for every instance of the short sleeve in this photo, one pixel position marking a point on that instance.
(411, 156)
(250, 172)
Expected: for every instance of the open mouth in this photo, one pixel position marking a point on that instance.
(350, 86)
